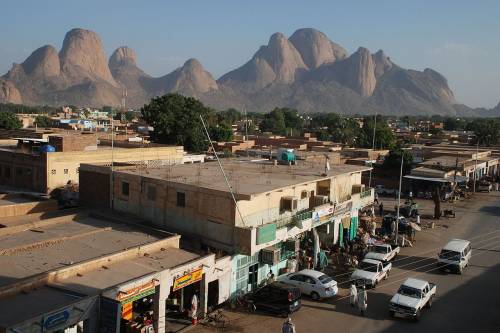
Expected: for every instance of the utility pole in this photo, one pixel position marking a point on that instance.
(475, 166)
(112, 177)
(246, 131)
(455, 175)
(399, 196)
(373, 149)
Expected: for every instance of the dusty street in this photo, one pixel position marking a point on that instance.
(470, 302)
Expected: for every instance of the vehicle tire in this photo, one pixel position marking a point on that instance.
(429, 304)
(417, 316)
(392, 314)
(315, 296)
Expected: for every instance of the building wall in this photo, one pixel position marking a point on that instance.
(63, 166)
(23, 171)
(209, 214)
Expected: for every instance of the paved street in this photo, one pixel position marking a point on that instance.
(470, 302)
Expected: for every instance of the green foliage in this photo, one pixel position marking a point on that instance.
(176, 120)
(229, 116)
(107, 109)
(19, 108)
(340, 129)
(487, 131)
(222, 133)
(384, 137)
(9, 120)
(393, 160)
(323, 135)
(42, 121)
(282, 121)
(454, 124)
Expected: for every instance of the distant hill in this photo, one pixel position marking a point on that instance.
(307, 71)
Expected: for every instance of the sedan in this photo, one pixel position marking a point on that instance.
(311, 283)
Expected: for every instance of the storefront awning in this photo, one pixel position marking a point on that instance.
(459, 179)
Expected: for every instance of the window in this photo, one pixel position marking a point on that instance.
(303, 194)
(181, 199)
(53, 171)
(298, 278)
(125, 188)
(151, 193)
(65, 171)
(309, 280)
(288, 204)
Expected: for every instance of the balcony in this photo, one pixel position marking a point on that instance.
(364, 198)
(290, 220)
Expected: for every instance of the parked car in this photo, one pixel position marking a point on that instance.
(412, 296)
(484, 186)
(312, 283)
(381, 190)
(370, 272)
(383, 252)
(455, 255)
(387, 221)
(276, 298)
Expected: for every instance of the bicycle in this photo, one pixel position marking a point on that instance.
(217, 319)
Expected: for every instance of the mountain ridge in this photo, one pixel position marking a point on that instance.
(307, 71)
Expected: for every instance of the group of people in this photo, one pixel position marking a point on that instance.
(358, 298)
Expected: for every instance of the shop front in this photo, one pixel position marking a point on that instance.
(185, 295)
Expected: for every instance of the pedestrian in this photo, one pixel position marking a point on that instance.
(418, 219)
(372, 210)
(381, 209)
(288, 326)
(376, 198)
(353, 295)
(194, 309)
(362, 301)
(374, 228)
(270, 277)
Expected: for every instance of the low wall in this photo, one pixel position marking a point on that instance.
(23, 208)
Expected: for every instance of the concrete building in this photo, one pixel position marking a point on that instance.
(80, 272)
(273, 206)
(25, 166)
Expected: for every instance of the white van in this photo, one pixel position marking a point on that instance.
(455, 255)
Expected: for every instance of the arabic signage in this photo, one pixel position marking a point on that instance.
(343, 208)
(137, 292)
(323, 214)
(188, 279)
(56, 319)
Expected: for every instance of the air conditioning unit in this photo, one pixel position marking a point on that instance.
(292, 245)
(358, 188)
(319, 200)
(270, 255)
(289, 203)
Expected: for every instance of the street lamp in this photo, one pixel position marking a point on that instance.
(399, 196)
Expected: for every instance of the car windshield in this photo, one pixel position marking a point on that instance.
(449, 255)
(380, 249)
(325, 279)
(369, 267)
(411, 292)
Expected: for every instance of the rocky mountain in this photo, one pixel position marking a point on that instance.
(307, 71)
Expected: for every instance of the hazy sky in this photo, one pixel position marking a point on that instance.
(460, 39)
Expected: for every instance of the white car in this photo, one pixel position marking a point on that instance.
(383, 252)
(412, 296)
(370, 272)
(313, 283)
(455, 255)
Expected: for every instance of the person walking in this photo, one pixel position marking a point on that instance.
(362, 301)
(288, 326)
(376, 198)
(194, 310)
(381, 209)
(270, 277)
(353, 295)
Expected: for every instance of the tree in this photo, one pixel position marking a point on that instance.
(176, 120)
(222, 133)
(229, 116)
(274, 122)
(9, 120)
(42, 121)
(384, 137)
(487, 131)
(393, 160)
(340, 129)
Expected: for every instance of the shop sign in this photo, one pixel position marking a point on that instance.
(323, 214)
(343, 208)
(137, 292)
(56, 319)
(188, 279)
(266, 233)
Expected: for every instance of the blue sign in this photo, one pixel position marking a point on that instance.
(56, 319)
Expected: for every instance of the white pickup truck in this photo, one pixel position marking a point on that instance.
(383, 252)
(370, 272)
(412, 296)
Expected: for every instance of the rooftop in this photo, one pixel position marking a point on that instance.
(63, 241)
(246, 178)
